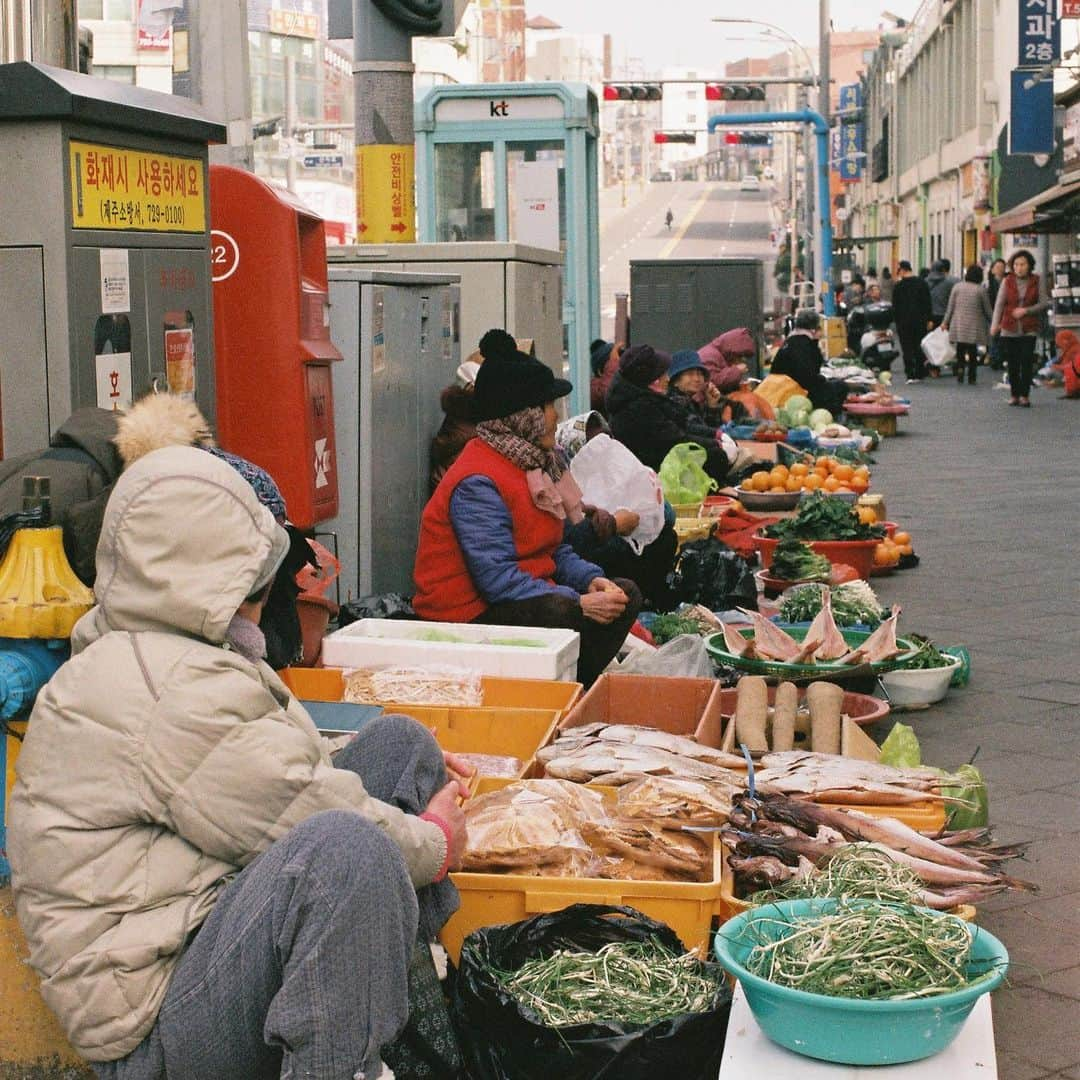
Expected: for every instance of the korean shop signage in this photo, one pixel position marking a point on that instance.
(115, 188)
(852, 133)
(1040, 33)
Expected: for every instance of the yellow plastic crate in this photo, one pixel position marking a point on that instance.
(328, 684)
(686, 510)
(505, 732)
(491, 899)
(693, 528)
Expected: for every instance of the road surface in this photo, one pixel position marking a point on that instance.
(712, 220)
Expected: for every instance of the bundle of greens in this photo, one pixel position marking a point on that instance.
(821, 517)
(928, 655)
(623, 982)
(867, 950)
(671, 625)
(795, 561)
(853, 603)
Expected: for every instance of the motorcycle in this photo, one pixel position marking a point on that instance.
(871, 337)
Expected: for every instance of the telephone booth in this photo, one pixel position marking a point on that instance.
(518, 162)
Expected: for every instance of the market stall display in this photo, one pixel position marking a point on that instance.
(864, 1030)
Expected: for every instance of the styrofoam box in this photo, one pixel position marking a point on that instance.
(394, 642)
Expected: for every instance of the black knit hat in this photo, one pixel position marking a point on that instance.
(642, 364)
(508, 385)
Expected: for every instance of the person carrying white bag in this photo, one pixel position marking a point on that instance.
(937, 349)
(628, 527)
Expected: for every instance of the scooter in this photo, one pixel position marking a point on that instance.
(871, 336)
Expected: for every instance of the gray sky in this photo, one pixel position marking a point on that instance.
(677, 33)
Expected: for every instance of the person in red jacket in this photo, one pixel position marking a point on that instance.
(1068, 362)
(492, 546)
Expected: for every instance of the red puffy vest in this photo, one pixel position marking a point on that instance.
(444, 589)
(1028, 324)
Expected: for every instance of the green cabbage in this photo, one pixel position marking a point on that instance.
(821, 417)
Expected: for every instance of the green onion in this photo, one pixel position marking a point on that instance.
(855, 872)
(865, 950)
(623, 982)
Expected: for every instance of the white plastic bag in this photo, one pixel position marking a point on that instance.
(611, 478)
(936, 348)
(684, 655)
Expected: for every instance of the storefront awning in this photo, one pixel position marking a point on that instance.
(1044, 212)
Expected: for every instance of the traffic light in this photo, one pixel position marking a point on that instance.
(747, 138)
(674, 137)
(733, 92)
(633, 91)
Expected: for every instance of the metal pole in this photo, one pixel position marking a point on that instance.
(824, 108)
(290, 123)
(16, 41)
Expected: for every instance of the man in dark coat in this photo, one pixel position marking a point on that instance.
(941, 284)
(913, 315)
(82, 464)
(800, 358)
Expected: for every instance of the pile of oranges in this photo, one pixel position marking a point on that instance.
(889, 552)
(824, 474)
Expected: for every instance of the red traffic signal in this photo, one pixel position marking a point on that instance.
(733, 92)
(731, 138)
(633, 91)
(674, 137)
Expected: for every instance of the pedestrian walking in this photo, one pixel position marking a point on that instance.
(887, 284)
(941, 284)
(993, 285)
(1021, 302)
(911, 311)
(967, 319)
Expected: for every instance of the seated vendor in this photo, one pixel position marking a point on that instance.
(706, 408)
(205, 890)
(648, 422)
(492, 543)
(800, 359)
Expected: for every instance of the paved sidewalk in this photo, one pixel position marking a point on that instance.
(991, 497)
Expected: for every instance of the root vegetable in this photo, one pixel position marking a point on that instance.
(783, 725)
(751, 713)
(825, 701)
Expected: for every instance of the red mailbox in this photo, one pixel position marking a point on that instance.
(275, 401)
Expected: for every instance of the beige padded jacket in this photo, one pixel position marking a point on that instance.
(158, 762)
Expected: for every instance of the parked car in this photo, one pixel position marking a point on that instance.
(660, 175)
(750, 183)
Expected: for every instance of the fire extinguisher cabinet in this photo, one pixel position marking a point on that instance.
(272, 339)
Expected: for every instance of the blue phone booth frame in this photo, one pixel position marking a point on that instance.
(503, 116)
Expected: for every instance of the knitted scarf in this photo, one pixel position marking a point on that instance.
(517, 437)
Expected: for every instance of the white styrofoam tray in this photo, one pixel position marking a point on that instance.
(385, 642)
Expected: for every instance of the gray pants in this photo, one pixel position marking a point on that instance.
(300, 968)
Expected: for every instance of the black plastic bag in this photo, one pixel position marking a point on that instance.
(383, 606)
(502, 1040)
(708, 572)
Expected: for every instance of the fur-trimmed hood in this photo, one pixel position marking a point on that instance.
(157, 421)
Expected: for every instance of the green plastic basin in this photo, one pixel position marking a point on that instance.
(845, 1030)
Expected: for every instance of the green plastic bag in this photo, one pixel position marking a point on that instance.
(901, 748)
(682, 476)
(974, 811)
(962, 674)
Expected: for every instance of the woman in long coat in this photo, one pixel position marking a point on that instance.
(967, 318)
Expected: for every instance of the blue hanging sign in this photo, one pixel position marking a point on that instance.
(834, 148)
(1031, 114)
(1040, 33)
(850, 97)
(852, 150)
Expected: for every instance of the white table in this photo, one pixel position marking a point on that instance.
(748, 1052)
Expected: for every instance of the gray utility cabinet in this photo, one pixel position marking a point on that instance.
(502, 284)
(104, 249)
(685, 303)
(399, 336)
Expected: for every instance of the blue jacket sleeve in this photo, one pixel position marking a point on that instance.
(571, 569)
(482, 525)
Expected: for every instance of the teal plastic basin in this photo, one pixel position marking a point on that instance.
(844, 1030)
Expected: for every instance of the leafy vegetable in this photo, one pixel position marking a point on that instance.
(928, 655)
(795, 561)
(868, 950)
(623, 982)
(439, 635)
(853, 602)
(671, 625)
(823, 518)
(864, 871)
(519, 643)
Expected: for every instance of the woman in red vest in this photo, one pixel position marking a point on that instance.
(1017, 313)
(492, 543)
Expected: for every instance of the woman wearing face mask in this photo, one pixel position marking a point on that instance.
(1017, 313)
(492, 546)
